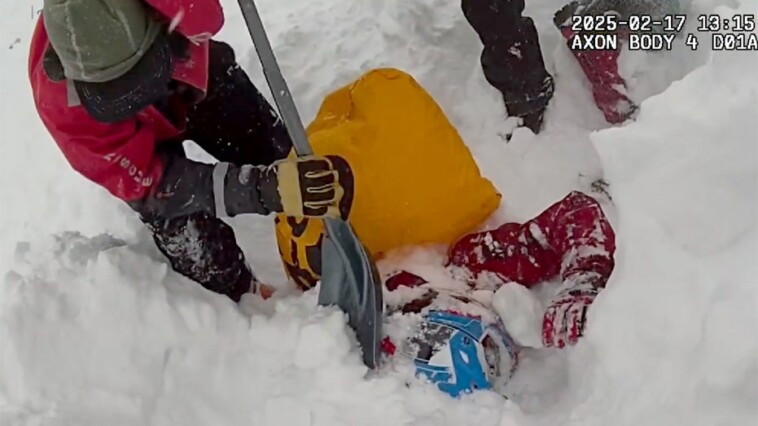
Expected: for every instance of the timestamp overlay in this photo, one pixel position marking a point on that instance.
(734, 33)
(642, 32)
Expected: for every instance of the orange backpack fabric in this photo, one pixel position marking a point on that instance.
(416, 182)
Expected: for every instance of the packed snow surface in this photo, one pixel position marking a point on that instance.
(96, 329)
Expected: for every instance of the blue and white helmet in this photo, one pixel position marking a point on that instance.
(461, 352)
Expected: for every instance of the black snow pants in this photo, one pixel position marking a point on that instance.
(235, 124)
(512, 59)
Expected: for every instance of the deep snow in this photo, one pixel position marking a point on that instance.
(96, 329)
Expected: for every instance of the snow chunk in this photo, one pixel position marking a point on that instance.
(521, 312)
(319, 345)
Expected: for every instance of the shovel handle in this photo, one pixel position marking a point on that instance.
(279, 90)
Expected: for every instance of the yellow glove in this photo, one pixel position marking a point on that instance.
(313, 186)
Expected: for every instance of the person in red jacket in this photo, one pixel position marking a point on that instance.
(571, 240)
(120, 84)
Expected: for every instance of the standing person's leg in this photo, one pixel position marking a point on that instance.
(512, 59)
(235, 124)
(609, 89)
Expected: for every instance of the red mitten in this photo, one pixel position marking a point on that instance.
(565, 318)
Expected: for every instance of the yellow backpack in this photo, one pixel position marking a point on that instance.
(416, 181)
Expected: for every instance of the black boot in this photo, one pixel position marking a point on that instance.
(512, 59)
(531, 109)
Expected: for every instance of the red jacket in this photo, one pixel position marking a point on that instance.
(121, 157)
(571, 240)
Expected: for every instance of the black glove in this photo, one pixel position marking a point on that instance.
(303, 187)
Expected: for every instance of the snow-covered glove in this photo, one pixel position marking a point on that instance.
(565, 318)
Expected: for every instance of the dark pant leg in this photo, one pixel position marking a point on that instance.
(235, 123)
(202, 248)
(512, 59)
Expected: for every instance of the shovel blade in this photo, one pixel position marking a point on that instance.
(349, 280)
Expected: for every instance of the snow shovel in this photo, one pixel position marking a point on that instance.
(349, 277)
